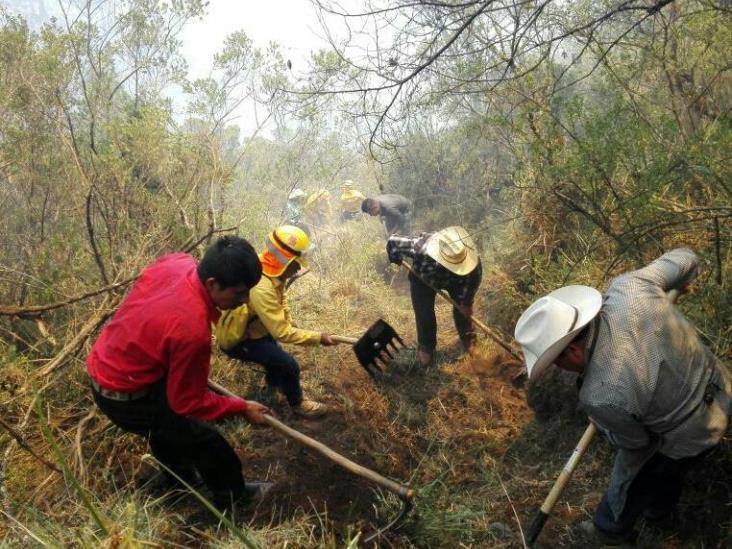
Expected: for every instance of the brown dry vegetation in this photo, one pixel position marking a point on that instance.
(572, 169)
(461, 433)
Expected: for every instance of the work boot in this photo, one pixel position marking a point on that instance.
(588, 528)
(425, 358)
(253, 492)
(310, 409)
(258, 489)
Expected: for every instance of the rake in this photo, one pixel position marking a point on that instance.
(373, 346)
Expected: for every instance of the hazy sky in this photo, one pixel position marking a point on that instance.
(291, 23)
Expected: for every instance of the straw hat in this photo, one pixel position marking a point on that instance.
(454, 249)
(552, 322)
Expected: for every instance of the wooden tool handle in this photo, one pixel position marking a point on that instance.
(540, 518)
(398, 489)
(401, 490)
(344, 339)
(443, 294)
(569, 467)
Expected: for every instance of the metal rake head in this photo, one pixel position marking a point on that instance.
(373, 348)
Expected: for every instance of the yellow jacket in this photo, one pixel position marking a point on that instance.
(318, 202)
(351, 201)
(266, 314)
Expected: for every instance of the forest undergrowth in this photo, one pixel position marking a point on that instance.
(461, 432)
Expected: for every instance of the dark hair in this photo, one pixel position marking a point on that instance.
(231, 261)
(367, 204)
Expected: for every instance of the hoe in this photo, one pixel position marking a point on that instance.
(402, 491)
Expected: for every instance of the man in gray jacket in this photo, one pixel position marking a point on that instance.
(393, 209)
(647, 382)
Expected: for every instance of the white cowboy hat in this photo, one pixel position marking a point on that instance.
(296, 193)
(454, 249)
(552, 322)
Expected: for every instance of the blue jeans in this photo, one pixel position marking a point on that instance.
(656, 490)
(281, 369)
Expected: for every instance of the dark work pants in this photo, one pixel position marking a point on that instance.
(397, 226)
(281, 369)
(423, 303)
(657, 489)
(178, 442)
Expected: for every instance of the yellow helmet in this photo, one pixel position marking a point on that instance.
(285, 244)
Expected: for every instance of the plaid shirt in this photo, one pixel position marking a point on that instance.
(462, 288)
(648, 378)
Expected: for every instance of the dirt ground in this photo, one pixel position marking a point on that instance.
(460, 432)
(465, 425)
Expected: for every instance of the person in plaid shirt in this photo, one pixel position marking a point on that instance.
(444, 260)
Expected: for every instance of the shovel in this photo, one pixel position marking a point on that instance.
(563, 479)
(373, 346)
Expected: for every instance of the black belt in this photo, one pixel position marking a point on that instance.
(119, 395)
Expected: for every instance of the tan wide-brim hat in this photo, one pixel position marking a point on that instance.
(454, 249)
(552, 322)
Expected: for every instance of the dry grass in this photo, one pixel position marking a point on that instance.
(461, 432)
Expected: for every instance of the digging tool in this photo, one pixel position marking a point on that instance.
(477, 322)
(402, 491)
(560, 484)
(373, 345)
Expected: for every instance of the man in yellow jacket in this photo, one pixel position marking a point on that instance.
(350, 202)
(252, 332)
(317, 209)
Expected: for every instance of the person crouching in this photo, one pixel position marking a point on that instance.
(253, 333)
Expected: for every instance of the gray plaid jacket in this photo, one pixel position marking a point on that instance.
(650, 384)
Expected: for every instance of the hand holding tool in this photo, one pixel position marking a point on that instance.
(402, 491)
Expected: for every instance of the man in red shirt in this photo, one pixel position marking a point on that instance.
(149, 367)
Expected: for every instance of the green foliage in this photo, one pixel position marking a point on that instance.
(568, 172)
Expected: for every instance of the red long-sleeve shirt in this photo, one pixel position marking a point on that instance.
(163, 328)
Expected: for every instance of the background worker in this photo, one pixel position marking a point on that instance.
(251, 333)
(149, 367)
(350, 201)
(295, 203)
(648, 382)
(295, 208)
(393, 209)
(445, 260)
(317, 208)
